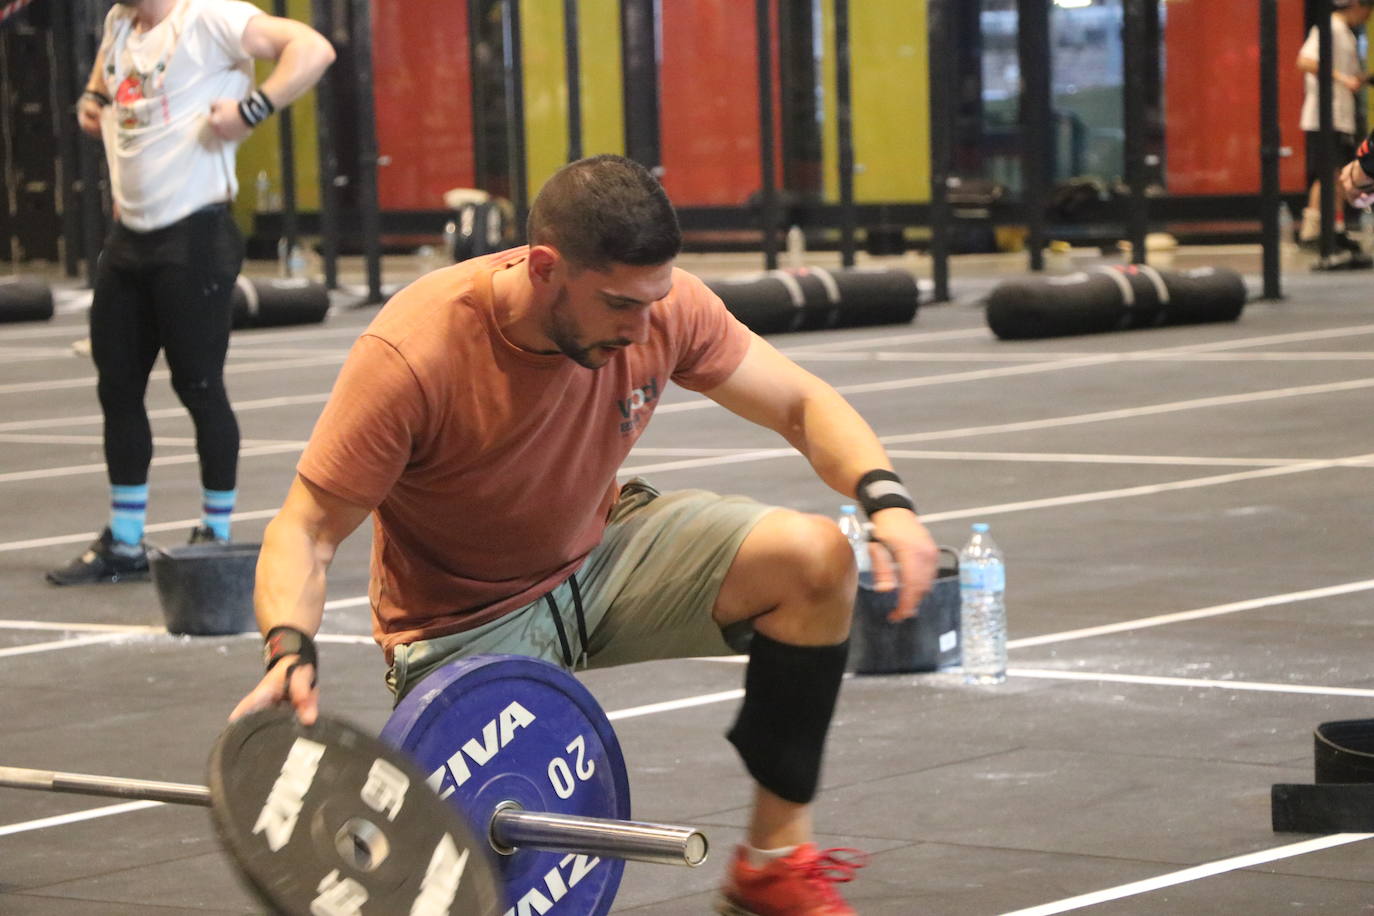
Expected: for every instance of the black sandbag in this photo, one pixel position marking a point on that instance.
(271, 302)
(766, 303)
(477, 228)
(1116, 298)
(1077, 303)
(870, 296)
(1204, 294)
(23, 299)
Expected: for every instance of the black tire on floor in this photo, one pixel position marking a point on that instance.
(271, 302)
(24, 299)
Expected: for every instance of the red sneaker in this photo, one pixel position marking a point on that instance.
(800, 884)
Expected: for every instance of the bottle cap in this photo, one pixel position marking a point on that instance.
(849, 509)
(980, 527)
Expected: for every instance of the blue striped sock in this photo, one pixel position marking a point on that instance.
(128, 512)
(216, 509)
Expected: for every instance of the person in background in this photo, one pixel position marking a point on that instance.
(172, 97)
(1348, 74)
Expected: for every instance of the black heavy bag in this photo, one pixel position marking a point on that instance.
(271, 302)
(477, 228)
(1088, 302)
(871, 296)
(22, 299)
(1204, 294)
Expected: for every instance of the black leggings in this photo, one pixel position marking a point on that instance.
(167, 290)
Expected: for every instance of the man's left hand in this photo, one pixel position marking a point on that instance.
(226, 121)
(904, 557)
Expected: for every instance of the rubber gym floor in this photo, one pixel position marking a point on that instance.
(1186, 516)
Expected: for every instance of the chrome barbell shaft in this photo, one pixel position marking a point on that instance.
(177, 793)
(510, 828)
(661, 844)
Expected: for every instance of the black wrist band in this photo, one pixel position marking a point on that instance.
(100, 97)
(282, 641)
(881, 489)
(256, 108)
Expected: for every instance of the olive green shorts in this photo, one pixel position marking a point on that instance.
(647, 591)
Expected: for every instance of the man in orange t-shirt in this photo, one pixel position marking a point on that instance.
(481, 419)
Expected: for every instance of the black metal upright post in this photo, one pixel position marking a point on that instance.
(572, 58)
(1134, 51)
(88, 15)
(481, 170)
(1270, 140)
(1326, 153)
(287, 143)
(1033, 57)
(942, 87)
(369, 211)
(515, 112)
(768, 197)
(65, 88)
(640, 53)
(325, 22)
(844, 122)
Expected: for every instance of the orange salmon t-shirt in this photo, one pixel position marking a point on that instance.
(490, 470)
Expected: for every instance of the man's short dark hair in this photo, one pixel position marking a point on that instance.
(606, 210)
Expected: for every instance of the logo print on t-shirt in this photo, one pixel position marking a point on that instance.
(638, 398)
(129, 93)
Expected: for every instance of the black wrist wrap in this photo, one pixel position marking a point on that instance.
(256, 108)
(881, 489)
(282, 641)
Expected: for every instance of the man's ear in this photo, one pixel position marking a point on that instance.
(544, 264)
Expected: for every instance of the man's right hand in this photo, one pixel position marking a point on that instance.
(1356, 185)
(273, 689)
(88, 115)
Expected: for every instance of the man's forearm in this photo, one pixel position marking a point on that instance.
(839, 444)
(291, 579)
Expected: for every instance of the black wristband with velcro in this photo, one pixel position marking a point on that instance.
(255, 108)
(282, 641)
(882, 489)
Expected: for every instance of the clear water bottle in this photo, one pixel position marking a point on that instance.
(983, 627)
(853, 529)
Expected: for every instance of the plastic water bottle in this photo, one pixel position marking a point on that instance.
(853, 529)
(983, 627)
(1286, 237)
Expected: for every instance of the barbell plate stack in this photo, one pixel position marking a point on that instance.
(492, 730)
(327, 820)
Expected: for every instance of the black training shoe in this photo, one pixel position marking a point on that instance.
(106, 560)
(204, 534)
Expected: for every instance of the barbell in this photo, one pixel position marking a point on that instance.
(328, 820)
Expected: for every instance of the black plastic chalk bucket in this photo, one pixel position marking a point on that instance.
(206, 589)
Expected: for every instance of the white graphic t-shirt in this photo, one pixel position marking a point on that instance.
(165, 160)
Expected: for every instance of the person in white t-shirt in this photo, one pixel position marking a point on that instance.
(1348, 75)
(172, 97)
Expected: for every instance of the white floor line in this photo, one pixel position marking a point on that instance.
(1215, 610)
(74, 470)
(87, 815)
(1193, 874)
(1051, 674)
(163, 413)
(670, 705)
(62, 644)
(88, 381)
(185, 524)
(1082, 458)
(983, 356)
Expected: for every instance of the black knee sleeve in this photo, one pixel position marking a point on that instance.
(789, 696)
